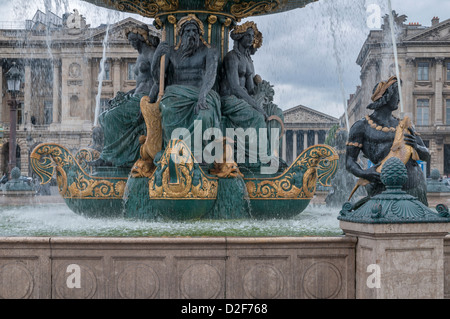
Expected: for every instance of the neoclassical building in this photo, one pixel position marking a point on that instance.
(60, 60)
(424, 63)
(304, 127)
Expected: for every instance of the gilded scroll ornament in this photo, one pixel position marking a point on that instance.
(191, 182)
(299, 181)
(215, 5)
(246, 9)
(72, 180)
(86, 188)
(144, 8)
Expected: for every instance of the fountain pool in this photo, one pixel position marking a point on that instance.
(58, 220)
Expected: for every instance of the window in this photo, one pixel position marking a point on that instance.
(422, 112)
(131, 73)
(20, 114)
(447, 111)
(106, 74)
(422, 71)
(48, 112)
(104, 105)
(448, 71)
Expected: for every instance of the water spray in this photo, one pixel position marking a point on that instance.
(394, 44)
(339, 67)
(101, 75)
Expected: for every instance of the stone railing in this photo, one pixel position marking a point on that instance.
(174, 268)
(179, 268)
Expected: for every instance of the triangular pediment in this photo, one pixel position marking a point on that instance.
(439, 32)
(117, 31)
(303, 114)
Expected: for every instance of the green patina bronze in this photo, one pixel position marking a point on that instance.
(16, 183)
(110, 192)
(394, 205)
(203, 83)
(122, 128)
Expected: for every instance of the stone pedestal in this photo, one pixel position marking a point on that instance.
(404, 261)
(400, 249)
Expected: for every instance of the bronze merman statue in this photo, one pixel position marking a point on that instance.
(190, 74)
(380, 136)
(122, 124)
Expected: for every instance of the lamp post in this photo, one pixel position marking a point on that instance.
(13, 80)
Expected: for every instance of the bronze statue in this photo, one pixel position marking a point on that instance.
(247, 100)
(380, 136)
(190, 69)
(145, 44)
(122, 123)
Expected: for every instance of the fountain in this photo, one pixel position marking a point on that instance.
(193, 173)
(170, 182)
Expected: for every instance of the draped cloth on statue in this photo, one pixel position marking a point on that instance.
(239, 114)
(177, 111)
(122, 128)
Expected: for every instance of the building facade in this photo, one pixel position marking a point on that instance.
(424, 65)
(60, 61)
(304, 127)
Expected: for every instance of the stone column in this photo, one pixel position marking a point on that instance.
(316, 137)
(27, 96)
(408, 88)
(283, 156)
(305, 140)
(117, 79)
(438, 103)
(56, 89)
(294, 146)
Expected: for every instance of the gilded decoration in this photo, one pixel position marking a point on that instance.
(258, 38)
(237, 9)
(179, 176)
(72, 180)
(215, 5)
(144, 8)
(86, 155)
(152, 143)
(246, 9)
(299, 182)
(84, 187)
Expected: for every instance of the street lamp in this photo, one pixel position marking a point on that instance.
(13, 80)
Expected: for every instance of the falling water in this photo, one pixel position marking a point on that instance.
(339, 64)
(394, 45)
(48, 36)
(101, 74)
(337, 22)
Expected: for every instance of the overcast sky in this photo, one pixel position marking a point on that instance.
(308, 54)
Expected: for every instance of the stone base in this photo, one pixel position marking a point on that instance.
(399, 260)
(177, 268)
(18, 193)
(438, 198)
